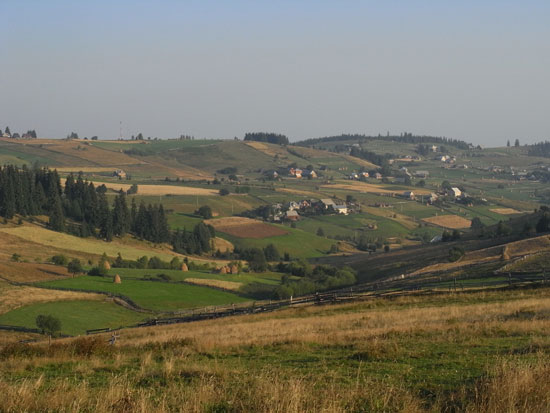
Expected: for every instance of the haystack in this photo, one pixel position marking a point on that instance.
(505, 256)
(234, 269)
(223, 270)
(184, 267)
(106, 265)
(117, 279)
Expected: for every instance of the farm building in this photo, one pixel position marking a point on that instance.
(342, 209)
(292, 215)
(408, 194)
(120, 174)
(295, 172)
(328, 203)
(432, 198)
(455, 192)
(309, 174)
(421, 174)
(378, 175)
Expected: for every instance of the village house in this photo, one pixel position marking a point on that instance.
(328, 203)
(353, 176)
(409, 195)
(342, 209)
(309, 174)
(421, 174)
(364, 174)
(295, 172)
(433, 197)
(434, 148)
(120, 174)
(271, 174)
(292, 215)
(455, 192)
(378, 175)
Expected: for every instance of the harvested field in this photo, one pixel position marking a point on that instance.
(514, 250)
(223, 285)
(299, 192)
(270, 150)
(222, 244)
(449, 221)
(86, 169)
(29, 272)
(14, 297)
(160, 189)
(245, 227)
(370, 188)
(77, 246)
(505, 211)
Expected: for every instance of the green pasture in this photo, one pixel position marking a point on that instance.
(298, 243)
(76, 316)
(152, 295)
(271, 278)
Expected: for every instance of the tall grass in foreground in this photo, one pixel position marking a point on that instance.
(523, 388)
(483, 352)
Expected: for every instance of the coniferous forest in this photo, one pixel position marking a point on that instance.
(82, 209)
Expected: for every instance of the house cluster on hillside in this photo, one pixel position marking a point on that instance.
(302, 173)
(357, 176)
(293, 210)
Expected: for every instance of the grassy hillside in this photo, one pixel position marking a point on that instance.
(152, 295)
(473, 352)
(76, 316)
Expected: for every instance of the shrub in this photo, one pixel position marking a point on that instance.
(98, 271)
(59, 260)
(48, 324)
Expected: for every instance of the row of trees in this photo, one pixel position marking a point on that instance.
(405, 137)
(266, 137)
(540, 149)
(194, 242)
(38, 191)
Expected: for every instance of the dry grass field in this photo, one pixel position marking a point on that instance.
(224, 285)
(477, 352)
(514, 250)
(370, 188)
(449, 221)
(505, 211)
(158, 190)
(245, 227)
(76, 246)
(15, 296)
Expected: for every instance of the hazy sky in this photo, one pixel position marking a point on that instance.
(475, 70)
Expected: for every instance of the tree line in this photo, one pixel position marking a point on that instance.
(84, 210)
(405, 137)
(266, 137)
(540, 149)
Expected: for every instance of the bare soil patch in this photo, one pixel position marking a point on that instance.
(245, 227)
(449, 221)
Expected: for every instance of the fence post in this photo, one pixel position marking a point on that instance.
(510, 278)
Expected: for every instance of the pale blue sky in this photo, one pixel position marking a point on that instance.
(475, 70)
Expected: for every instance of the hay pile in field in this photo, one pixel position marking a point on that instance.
(117, 279)
(505, 255)
(184, 267)
(106, 265)
(234, 269)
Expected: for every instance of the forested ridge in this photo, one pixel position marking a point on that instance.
(82, 209)
(405, 137)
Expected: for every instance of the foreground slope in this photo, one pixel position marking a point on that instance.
(474, 352)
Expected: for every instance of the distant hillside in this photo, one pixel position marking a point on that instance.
(403, 138)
